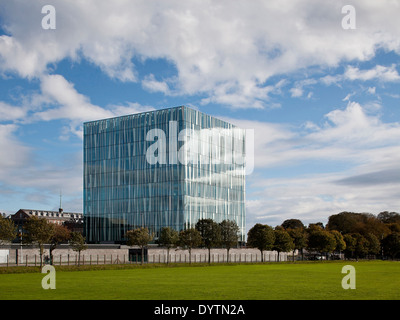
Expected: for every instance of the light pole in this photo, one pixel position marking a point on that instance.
(20, 232)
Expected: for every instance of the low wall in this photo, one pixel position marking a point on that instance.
(117, 254)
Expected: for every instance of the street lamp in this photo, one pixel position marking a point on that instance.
(20, 232)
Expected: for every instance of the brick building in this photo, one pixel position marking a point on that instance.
(72, 220)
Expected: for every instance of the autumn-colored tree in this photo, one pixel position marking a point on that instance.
(61, 234)
(8, 231)
(38, 231)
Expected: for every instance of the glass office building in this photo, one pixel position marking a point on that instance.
(164, 168)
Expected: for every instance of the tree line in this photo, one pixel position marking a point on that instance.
(39, 231)
(356, 235)
(207, 234)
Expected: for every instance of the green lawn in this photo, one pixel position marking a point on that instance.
(319, 280)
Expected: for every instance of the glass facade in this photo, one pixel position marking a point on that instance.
(169, 167)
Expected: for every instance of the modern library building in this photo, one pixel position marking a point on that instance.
(163, 168)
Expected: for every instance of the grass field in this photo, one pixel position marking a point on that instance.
(290, 281)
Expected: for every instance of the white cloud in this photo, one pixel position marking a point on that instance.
(225, 50)
(9, 112)
(371, 90)
(59, 99)
(71, 104)
(358, 156)
(379, 72)
(14, 153)
(313, 198)
(296, 92)
(151, 84)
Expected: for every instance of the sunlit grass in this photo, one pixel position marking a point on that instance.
(319, 280)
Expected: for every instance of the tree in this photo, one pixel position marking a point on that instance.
(210, 233)
(8, 231)
(356, 245)
(229, 234)
(190, 238)
(299, 237)
(38, 231)
(389, 217)
(139, 237)
(361, 245)
(394, 227)
(77, 242)
(292, 224)
(350, 245)
(340, 243)
(261, 237)
(362, 223)
(391, 245)
(283, 242)
(321, 241)
(346, 222)
(61, 234)
(373, 244)
(168, 238)
(372, 225)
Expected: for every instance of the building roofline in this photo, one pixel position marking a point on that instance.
(54, 211)
(156, 110)
(135, 114)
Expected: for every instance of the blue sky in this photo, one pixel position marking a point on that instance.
(323, 100)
